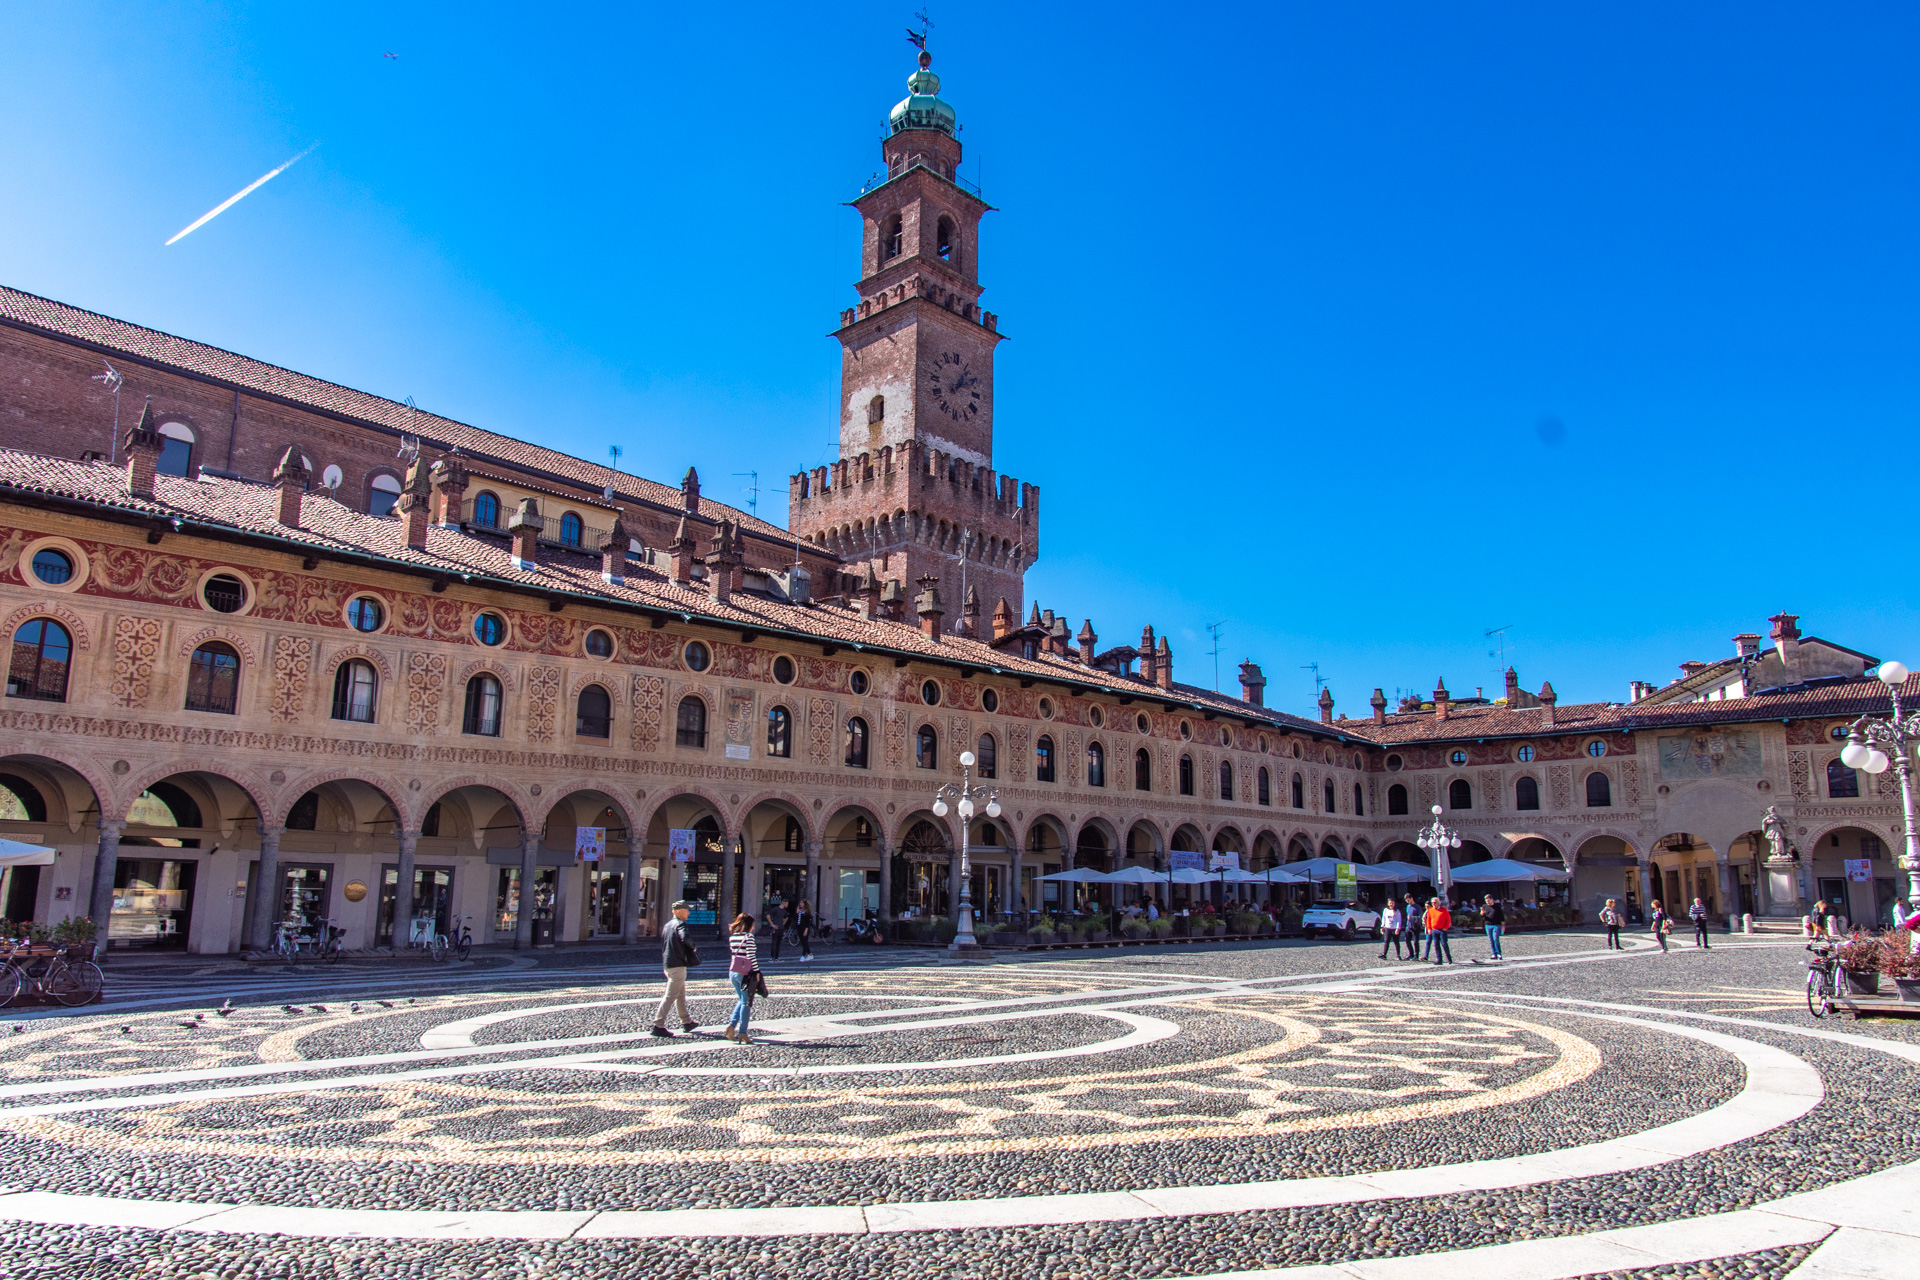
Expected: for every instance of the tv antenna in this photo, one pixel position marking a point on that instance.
(1499, 636)
(613, 452)
(752, 491)
(1319, 681)
(111, 379)
(409, 449)
(1214, 630)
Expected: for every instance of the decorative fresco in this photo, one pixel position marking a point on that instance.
(1715, 753)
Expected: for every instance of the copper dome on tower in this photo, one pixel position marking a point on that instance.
(922, 108)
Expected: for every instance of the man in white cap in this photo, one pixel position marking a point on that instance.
(676, 957)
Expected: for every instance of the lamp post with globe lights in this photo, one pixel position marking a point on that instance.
(1874, 744)
(965, 796)
(1438, 839)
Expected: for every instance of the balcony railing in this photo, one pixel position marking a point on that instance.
(575, 535)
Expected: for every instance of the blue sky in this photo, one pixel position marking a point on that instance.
(1360, 329)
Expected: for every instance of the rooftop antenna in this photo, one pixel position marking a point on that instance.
(613, 452)
(1319, 681)
(111, 379)
(752, 491)
(1213, 629)
(409, 449)
(1499, 636)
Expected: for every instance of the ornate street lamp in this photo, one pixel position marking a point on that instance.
(964, 796)
(1874, 744)
(1437, 840)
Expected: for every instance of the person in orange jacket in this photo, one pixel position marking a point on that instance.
(1438, 921)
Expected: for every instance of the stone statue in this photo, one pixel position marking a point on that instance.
(1776, 833)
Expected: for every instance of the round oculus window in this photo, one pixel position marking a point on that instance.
(1143, 724)
(1458, 757)
(1186, 731)
(1596, 748)
(1046, 708)
(930, 692)
(489, 628)
(599, 643)
(989, 700)
(783, 669)
(365, 614)
(1226, 737)
(224, 593)
(697, 656)
(1395, 763)
(1296, 751)
(52, 566)
(1524, 755)
(857, 681)
(1094, 715)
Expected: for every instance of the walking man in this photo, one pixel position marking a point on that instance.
(1410, 927)
(803, 928)
(777, 921)
(1439, 920)
(1494, 916)
(1698, 914)
(676, 957)
(1391, 922)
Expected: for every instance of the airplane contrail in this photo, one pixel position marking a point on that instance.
(240, 195)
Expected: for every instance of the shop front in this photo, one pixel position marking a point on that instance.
(152, 902)
(432, 903)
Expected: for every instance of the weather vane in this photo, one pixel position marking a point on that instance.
(918, 39)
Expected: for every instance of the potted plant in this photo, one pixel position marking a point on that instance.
(1044, 930)
(1898, 961)
(1859, 960)
(1248, 922)
(1160, 927)
(1134, 928)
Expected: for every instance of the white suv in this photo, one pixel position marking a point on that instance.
(1344, 918)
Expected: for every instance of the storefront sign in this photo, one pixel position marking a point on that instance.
(1223, 861)
(680, 844)
(590, 843)
(1346, 882)
(1859, 870)
(355, 890)
(1185, 860)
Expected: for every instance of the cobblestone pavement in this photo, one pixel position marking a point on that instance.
(1192, 1111)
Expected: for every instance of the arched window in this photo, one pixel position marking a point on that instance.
(946, 244)
(383, 493)
(1263, 786)
(486, 511)
(593, 713)
(986, 756)
(1842, 782)
(1599, 791)
(856, 743)
(1396, 800)
(1299, 792)
(876, 410)
(42, 653)
(1526, 794)
(1043, 759)
(1226, 780)
(1186, 775)
(1359, 806)
(1096, 765)
(1459, 794)
(176, 449)
(1327, 795)
(354, 685)
(482, 715)
(213, 679)
(305, 814)
(690, 724)
(1142, 770)
(926, 748)
(794, 840)
(570, 529)
(780, 732)
(892, 238)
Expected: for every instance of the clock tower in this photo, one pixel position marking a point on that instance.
(914, 491)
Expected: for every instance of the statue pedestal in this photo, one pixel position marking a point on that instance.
(1783, 889)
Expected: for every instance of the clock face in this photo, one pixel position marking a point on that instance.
(953, 387)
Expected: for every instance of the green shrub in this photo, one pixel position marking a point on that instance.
(1161, 927)
(1248, 921)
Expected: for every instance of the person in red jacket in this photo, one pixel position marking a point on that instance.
(1438, 921)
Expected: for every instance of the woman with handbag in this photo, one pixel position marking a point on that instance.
(1661, 924)
(743, 966)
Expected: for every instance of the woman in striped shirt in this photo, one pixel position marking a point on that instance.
(743, 963)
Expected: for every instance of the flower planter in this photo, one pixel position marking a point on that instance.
(1861, 983)
(1909, 989)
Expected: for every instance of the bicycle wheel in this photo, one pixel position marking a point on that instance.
(9, 984)
(464, 948)
(437, 948)
(1819, 989)
(75, 984)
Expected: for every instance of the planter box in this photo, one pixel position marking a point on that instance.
(1861, 984)
(1909, 989)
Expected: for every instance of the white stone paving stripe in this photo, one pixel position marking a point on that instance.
(1855, 1254)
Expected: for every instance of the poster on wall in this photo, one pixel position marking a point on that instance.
(590, 843)
(1223, 861)
(680, 844)
(1185, 860)
(1859, 870)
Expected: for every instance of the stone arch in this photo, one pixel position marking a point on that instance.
(834, 811)
(506, 674)
(1155, 841)
(1626, 836)
(913, 817)
(812, 831)
(1229, 830)
(1301, 848)
(250, 787)
(348, 652)
(1332, 845)
(225, 635)
(564, 791)
(1109, 829)
(1048, 821)
(288, 794)
(654, 803)
(519, 802)
(1187, 838)
(1361, 849)
(67, 617)
(65, 778)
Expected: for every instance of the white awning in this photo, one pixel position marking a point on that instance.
(14, 853)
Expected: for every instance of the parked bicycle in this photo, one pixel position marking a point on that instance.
(438, 945)
(1822, 979)
(64, 975)
(322, 942)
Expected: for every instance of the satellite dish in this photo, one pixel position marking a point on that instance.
(332, 477)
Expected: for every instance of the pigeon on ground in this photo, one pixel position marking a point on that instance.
(289, 1008)
(19, 1028)
(189, 1024)
(223, 1013)
(126, 1031)
(409, 999)
(384, 1004)
(200, 1017)
(319, 1008)
(355, 1009)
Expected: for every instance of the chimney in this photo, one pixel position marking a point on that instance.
(449, 479)
(525, 526)
(867, 594)
(723, 563)
(1786, 642)
(1746, 645)
(290, 483)
(1253, 684)
(1088, 642)
(690, 493)
(970, 615)
(1379, 704)
(613, 555)
(927, 605)
(1326, 705)
(1440, 698)
(415, 500)
(143, 453)
(1513, 687)
(1547, 698)
(1002, 619)
(1058, 639)
(1149, 660)
(1163, 665)
(893, 600)
(1641, 689)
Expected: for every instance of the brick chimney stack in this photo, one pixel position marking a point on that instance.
(927, 605)
(1149, 660)
(1326, 705)
(1088, 642)
(1547, 698)
(1163, 665)
(867, 593)
(142, 447)
(1513, 687)
(681, 549)
(1440, 699)
(690, 493)
(893, 600)
(449, 480)
(1786, 642)
(613, 555)
(1253, 684)
(1002, 619)
(415, 503)
(1058, 640)
(723, 563)
(1379, 704)
(970, 615)
(290, 485)
(525, 526)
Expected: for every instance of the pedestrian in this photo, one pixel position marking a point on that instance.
(1439, 920)
(803, 928)
(777, 922)
(1698, 914)
(743, 968)
(1410, 926)
(676, 957)
(1495, 918)
(1391, 923)
(1612, 917)
(1818, 921)
(1661, 925)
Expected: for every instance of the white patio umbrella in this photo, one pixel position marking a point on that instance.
(1499, 869)
(1134, 875)
(16, 853)
(1405, 870)
(1079, 875)
(1279, 875)
(1329, 869)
